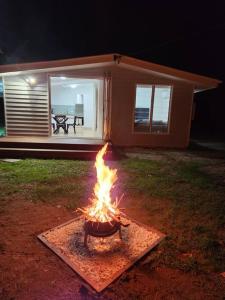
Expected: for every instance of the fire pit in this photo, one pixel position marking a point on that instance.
(102, 217)
(102, 229)
(101, 261)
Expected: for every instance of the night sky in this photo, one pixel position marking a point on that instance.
(188, 35)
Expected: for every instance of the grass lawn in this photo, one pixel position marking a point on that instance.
(186, 201)
(180, 193)
(44, 180)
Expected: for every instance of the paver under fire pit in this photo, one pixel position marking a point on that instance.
(102, 260)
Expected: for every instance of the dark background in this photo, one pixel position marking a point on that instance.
(188, 35)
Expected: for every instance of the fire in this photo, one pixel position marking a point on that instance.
(102, 209)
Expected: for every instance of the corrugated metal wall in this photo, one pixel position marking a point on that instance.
(26, 106)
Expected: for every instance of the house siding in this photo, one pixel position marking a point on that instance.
(123, 94)
(26, 106)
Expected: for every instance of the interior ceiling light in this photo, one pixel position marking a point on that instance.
(73, 86)
(31, 80)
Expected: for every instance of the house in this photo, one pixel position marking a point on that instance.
(128, 101)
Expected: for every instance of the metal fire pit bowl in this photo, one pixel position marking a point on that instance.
(102, 229)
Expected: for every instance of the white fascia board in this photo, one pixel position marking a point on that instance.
(56, 69)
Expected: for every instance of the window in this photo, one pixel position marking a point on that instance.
(142, 108)
(152, 106)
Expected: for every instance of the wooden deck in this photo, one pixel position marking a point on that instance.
(49, 147)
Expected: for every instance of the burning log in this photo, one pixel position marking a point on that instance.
(117, 219)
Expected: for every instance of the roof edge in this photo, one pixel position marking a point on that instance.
(202, 81)
(7, 68)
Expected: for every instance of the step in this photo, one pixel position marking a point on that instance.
(47, 145)
(51, 153)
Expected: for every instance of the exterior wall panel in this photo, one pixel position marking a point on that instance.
(123, 98)
(26, 106)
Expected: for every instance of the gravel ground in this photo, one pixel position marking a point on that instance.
(104, 259)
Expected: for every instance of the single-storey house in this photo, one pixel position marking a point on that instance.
(128, 101)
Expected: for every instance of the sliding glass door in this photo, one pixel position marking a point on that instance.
(76, 107)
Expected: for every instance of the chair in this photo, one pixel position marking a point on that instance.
(79, 113)
(72, 124)
(60, 123)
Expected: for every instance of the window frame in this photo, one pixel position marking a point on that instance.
(153, 86)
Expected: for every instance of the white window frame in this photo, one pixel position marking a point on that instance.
(152, 107)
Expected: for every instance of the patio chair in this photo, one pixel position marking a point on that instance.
(79, 113)
(72, 124)
(60, 123)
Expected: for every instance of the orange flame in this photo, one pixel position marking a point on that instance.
(102, 208)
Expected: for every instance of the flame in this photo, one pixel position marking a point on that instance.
(102, 208)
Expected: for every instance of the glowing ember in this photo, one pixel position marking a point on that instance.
(102, 208)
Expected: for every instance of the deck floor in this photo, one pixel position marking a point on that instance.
(54, 140)
(81, 132)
